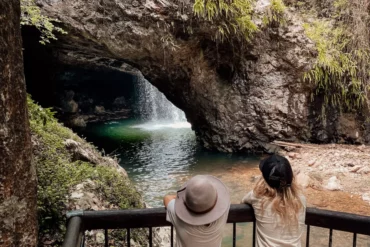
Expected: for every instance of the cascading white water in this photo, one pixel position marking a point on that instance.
(153, 106)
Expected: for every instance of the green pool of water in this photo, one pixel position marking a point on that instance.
(160, 156)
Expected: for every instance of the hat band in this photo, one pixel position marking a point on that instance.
(202, 212)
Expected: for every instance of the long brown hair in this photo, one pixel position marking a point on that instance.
(284, 201)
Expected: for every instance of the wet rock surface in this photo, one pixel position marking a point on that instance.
(237, 96)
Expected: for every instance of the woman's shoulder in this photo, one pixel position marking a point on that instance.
(303, 199)
(249, 197)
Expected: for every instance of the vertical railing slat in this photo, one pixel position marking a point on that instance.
(234, 234)
(330, 237)
(150, 237)
(128, 237)
(75, 235)
(106, 237)
(308, 236)
(354, 239)
(83, 239)
(171, 236)
(254, 233)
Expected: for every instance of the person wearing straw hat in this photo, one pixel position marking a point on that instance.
(199, 212)
(278, 203)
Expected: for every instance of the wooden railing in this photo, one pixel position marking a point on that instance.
(80, 221)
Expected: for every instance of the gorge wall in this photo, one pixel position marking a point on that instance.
(238, 96)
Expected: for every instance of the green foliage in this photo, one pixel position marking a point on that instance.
(275, 13)
(115, 188)
(57, 174)
(341, 73)
(232, 18)
(31, 15)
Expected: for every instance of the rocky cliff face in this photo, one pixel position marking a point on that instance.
(237, 96)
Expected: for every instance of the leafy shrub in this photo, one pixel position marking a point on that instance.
(232, 18)
(31, 16)
(57, 174)
(276, 13)
(341, 73)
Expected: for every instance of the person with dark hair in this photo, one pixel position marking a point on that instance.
(279, 206)
(199, 212)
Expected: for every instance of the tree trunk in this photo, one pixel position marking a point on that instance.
(18, 219)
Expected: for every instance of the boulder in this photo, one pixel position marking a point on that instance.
(70, 106)
(119, 103)
(88, 153)
(78, 121)
(99, 109)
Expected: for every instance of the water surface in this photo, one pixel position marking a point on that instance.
(160, 156)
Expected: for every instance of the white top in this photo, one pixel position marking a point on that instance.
(270, 231)
(196, 236)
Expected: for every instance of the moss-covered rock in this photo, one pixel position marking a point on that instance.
(72, 174)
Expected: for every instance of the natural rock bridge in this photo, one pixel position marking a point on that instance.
(237, 96)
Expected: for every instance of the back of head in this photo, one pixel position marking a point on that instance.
(277, 186)
(277, 172)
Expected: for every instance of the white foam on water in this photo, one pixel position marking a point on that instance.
(163, 125)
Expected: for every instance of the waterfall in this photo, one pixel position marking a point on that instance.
(153, 106)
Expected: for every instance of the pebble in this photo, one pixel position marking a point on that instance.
(100, 238)
(292, 155)
(362, 147)
(333, 184)
(76, 195)
(355, 169)
(364, 170)
(311, 162)
(366, 197)
(303, 180)
(80, 186)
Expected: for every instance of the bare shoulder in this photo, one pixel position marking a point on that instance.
(167, 199)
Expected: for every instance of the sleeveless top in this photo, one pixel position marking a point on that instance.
(270, 231)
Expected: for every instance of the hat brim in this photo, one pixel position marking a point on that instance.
(221, 206)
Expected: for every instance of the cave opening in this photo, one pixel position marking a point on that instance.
(82, 93)
(78, 93)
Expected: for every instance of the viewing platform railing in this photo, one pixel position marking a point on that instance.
(80, 221)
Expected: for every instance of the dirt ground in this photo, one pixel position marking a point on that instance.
(334, 176)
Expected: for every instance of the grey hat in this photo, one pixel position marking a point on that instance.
(202, 200)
